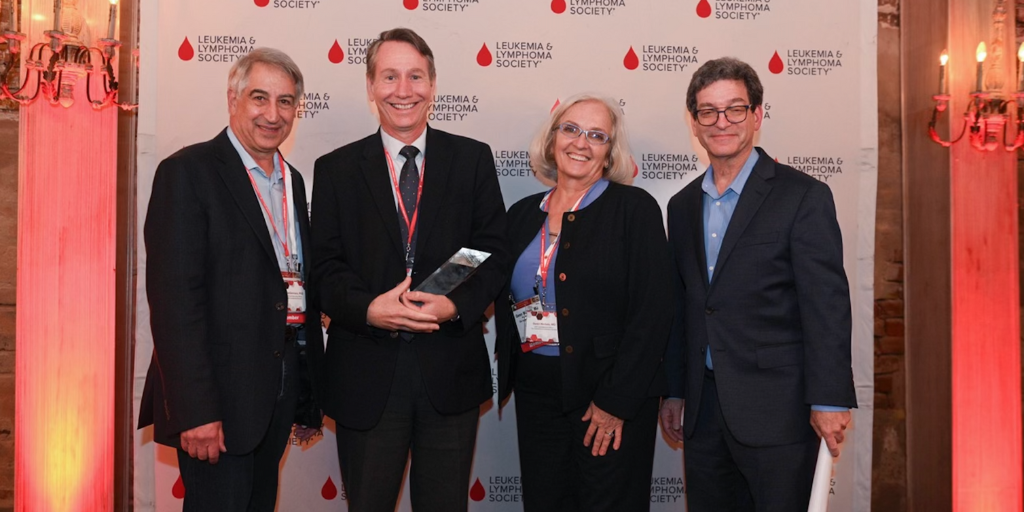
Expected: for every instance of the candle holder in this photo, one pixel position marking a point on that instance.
(986, 120)
(54, 68)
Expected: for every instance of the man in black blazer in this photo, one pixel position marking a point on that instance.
(405, 370)
(760, 355)
(226, 240)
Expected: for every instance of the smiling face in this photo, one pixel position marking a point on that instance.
(725, 141)
(575, 157)
(262, 114)
(401, 89)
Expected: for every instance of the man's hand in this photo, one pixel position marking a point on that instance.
(389, 313)
(830, 427)
(672, 418)
(604, 430)
(205, 442)
(438, 305)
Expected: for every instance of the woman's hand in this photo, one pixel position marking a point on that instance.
(605, 430)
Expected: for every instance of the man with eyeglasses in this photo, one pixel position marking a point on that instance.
(759, 357)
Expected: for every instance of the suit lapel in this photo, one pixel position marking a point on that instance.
(378, 179)
(696, 206)
(233, 172)
(298, 195)
(436, 169)
(754, 193)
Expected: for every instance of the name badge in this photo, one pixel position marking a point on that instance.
(296, 297)
(541, 330)
(521, 310)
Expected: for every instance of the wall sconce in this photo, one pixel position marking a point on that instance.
(988, 113)
(52, 70)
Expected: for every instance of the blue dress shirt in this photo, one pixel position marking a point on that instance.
(524, 275)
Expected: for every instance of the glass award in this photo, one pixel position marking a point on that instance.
(453, 272)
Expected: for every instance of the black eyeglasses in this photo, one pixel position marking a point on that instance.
(595, 137)
(734, 114)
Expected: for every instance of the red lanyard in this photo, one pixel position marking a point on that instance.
(284, 204)
(546, 254)
(411, 225)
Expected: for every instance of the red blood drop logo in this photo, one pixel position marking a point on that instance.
(558, 6)
(476, 493)
(185, 51)
(335, 55)
(636, 170)
(411, 4)
(775, 65)
(329, 491)
(631, 61)
(178, 489)
(261, 3)
(553, 107)
(483, 57)
(703, 9)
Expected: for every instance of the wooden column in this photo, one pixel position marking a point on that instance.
(963, 282)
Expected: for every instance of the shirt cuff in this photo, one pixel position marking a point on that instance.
(829, 408)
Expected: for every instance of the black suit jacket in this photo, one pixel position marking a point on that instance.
(776, 313)
(358, 255)
(216, 299)
(615, 300)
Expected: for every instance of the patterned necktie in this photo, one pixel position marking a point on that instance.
(409, 181)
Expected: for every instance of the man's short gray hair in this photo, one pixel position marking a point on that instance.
(238, 77)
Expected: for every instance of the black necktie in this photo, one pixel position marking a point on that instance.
(409, 181)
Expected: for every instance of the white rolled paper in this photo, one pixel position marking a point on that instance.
(822, 480)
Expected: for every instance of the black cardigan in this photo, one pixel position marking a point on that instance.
(613, 280)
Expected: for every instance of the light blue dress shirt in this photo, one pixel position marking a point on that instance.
(271, 188)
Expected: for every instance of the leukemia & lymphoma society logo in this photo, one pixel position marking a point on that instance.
(499, 489)
(667, 166)
(214, 48)
(821, 167)
(453, 107)
(512, 163)
(661, 58)
(806, 62)
(515, 54)
(356, 50)
(734, 9)
(453, 6)
(288, 4)
(587, 7)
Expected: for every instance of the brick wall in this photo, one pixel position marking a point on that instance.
(889, 464)
(8, 280)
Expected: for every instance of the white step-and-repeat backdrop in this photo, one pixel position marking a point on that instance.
(502, 65)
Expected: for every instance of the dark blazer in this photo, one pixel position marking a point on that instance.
(776, 313)
(216, 299)
(359, 255)
(615, 300)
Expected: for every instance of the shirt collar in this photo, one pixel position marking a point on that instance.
(393, 146)
(708, 185)
(250, 162)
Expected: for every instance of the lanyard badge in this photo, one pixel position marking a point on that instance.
(410, 224)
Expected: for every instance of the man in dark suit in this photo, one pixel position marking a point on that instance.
(405, 370)
(227, 235)
(760, 355)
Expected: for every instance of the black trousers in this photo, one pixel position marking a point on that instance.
(723, 475)
(559, 474)
(247, 482)
(373, 461)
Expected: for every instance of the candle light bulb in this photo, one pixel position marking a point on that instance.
(981, 52)
(944, 58)
(113, 2)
